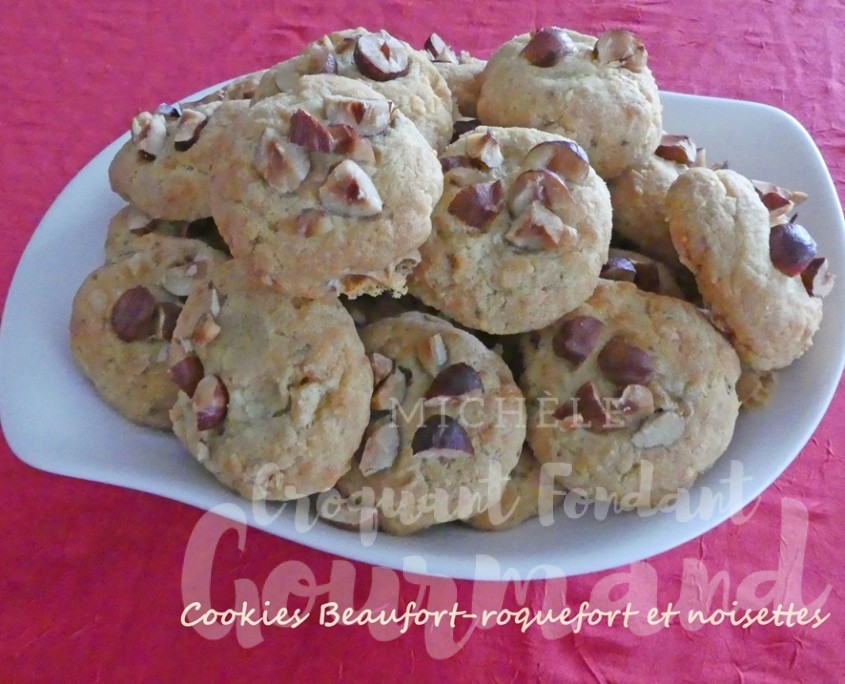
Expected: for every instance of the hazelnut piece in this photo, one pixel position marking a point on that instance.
(538, 184)
(187, 373)
(636, 402)
(382, 366)
(349, 191)
(548, 46)
(791, 248)
(477, 205)
(280, 162)
(390, 392)
(368, 116)
(677, 148)
(308, 132)
(380, 56)
(442, 437)
(485, 149)
(313, 222)
(576, 338)
(149, 133)
(380, 448)
(624, 363)
(179, 280)
(660, 429)
(564, 157)
(438, 50)
(206, 330)
(133, 315)
(537, 229)
(188, 129)
(432, 354)
(458, 380)
(817, 278)
(620, 48)
(777, 200)
(619, 268)
(166, 315)
(348, 142)
(211, 402)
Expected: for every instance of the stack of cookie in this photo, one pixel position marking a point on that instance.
(255, 296)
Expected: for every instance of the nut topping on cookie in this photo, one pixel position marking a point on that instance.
(211, 402)
(661, 429)
(206, 330)
(313, 222)
(281, 163)
(381, 448)
(619, 268)
(187, 373)
(321, 58)
(548, 46)
(677, 148)
(349, 191)
(367, 116)
(166, 315)
(477, 205)
(460, 380)
(625, 364)
(576, 338)
(382, 366)
(179, 280)
(309, 133)
(636, 402)
(817, 278)
(149, 133)
(438, 50)
(777, 200)
(442, 437)
(791, 248)
(485, 149)
(621, 48)
(538, 184)
(537, 229)
(188, 129)
(432, 354)
(565, 158)
(380, 56)
(347, 141)
(133, 315)
(138, 222)
(390, 392)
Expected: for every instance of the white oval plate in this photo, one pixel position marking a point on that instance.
(53, 419)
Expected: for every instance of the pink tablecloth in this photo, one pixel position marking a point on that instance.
(91, 575)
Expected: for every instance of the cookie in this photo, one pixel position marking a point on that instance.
(389, 66)
(446, 428)
(164, 167)
(130, 228)
(527, 494)
(275, 390)
(630, 397)
(597, 91)
(520, 233)
(325, 190)
(122, 320)
(763, 285)
(638, 196)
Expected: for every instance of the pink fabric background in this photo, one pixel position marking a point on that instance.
(90, 574)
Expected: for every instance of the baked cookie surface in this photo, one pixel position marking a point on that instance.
(631, 396)
(446, 429)
(389, 66)
(597, 91)
(122, 320)
(721, 230)
(164, 167)
(327, 189)
(520, 233)
(274, 390)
